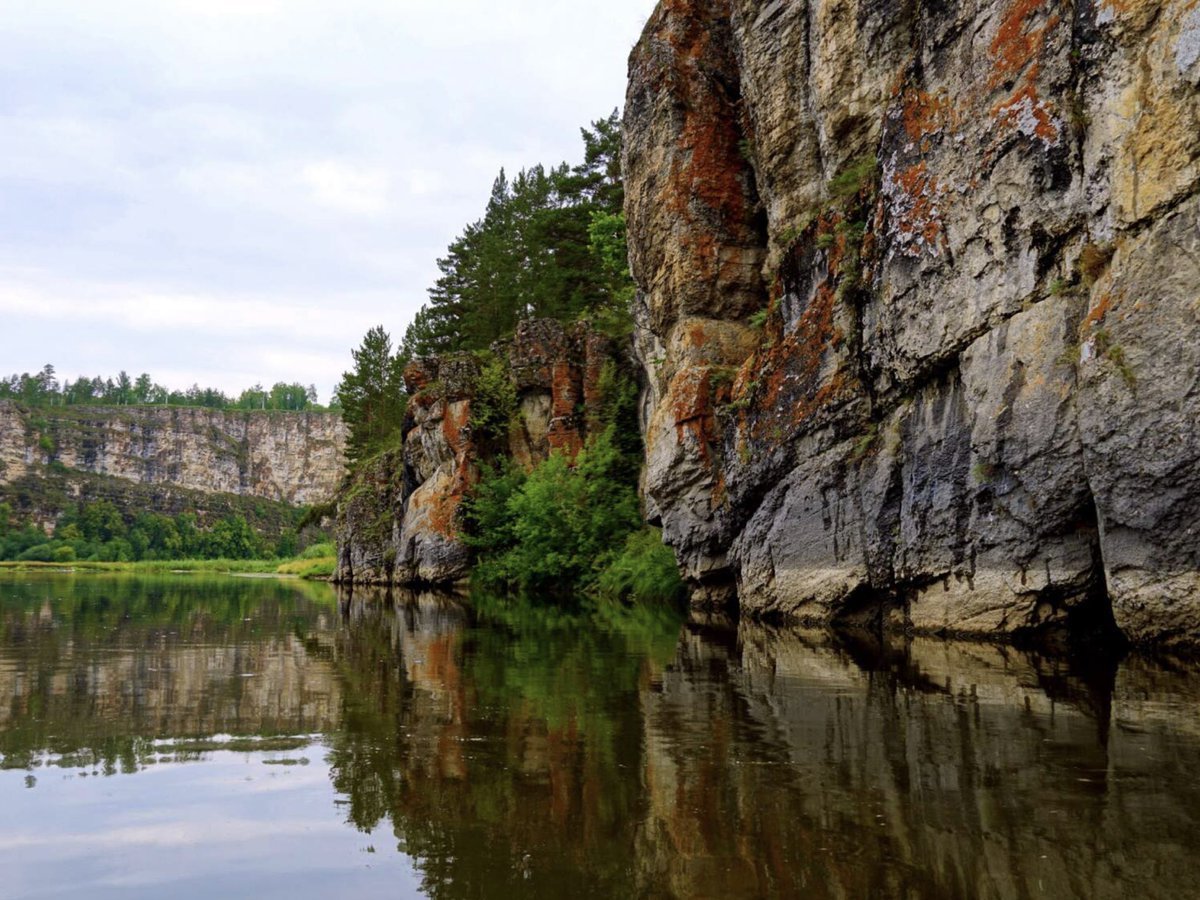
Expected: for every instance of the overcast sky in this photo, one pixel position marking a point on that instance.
(233, 191)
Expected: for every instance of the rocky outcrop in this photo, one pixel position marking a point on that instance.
(294, 458)
(540, 392)
(919, 309)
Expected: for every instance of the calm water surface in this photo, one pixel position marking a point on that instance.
(187, 737)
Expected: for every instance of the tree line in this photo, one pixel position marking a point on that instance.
(98, 532)
(44, 389)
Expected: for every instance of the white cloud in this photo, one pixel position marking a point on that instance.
(348, 189)
(181, 179)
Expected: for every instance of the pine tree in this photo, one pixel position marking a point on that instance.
(372, 396)
(551, 243)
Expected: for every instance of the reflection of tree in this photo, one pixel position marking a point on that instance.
(507, 762)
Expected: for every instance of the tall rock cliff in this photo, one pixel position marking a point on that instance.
(294, 458)
(169, 460)
(919, 308)
(399, 513)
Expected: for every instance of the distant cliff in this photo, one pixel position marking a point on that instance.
(920, 308)
(294, 458)
(167, 459)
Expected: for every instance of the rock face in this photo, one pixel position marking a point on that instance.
(293, 458)
(398, 517)
(919, 308)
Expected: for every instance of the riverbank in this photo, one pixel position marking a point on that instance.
(318, 569)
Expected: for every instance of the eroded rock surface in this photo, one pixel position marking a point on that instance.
(920, 307)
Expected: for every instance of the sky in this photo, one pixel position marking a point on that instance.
(227, 192)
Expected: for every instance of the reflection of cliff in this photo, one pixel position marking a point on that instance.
(506, 761)
(515, 751)
(538, 761)
(102, 664)
(932, 770)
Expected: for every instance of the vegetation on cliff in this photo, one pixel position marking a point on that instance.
(521, 437)
(573, 526)
(44, 389)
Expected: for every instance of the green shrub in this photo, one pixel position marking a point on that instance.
(856, 176)
(645, 571)
(38, 553)
(552, 532)
(495, 399)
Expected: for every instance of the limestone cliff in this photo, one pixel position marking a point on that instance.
(919, 308)
(169, 460)
(398, 514)
(294, 458)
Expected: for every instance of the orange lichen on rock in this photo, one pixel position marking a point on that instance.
(564, 435)
(925, 114)
(1097, 313)
(454, 422)
(915, 205)
(419, 374)
(1015, 52)
(1033, 117)
(691, 397)
(1017, 44)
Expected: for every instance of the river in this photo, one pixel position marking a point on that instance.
(200, 736)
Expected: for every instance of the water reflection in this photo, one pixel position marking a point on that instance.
(512, 751)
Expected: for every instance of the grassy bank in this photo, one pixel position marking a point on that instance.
(319, 567)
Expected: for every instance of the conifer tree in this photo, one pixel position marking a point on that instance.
(372, 396)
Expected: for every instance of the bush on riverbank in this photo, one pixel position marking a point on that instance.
(567, 529)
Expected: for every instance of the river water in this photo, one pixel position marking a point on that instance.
(200, 737)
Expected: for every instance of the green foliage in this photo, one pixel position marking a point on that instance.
(854, 178)
(645, 572)
(983, 472)
(759, 319)
(372, 397)
(551, 243)
(618, 402)
(793, 232)
(553, 532)
(1115, 354)
(97, 531)
(494, 401)
(319, 551)
(853, 232)
(865, 443)
(44, 389)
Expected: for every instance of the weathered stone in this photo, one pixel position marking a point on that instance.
(972, 405)
(295, 458)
